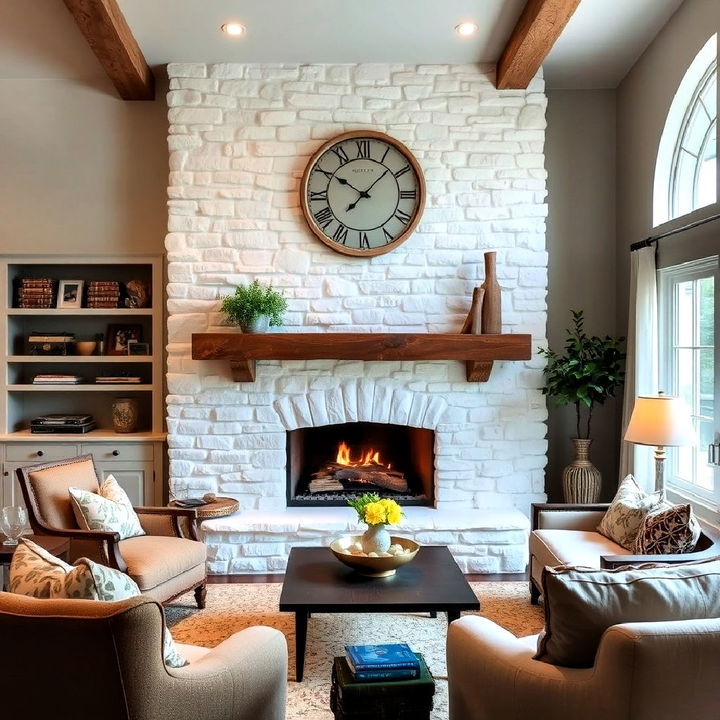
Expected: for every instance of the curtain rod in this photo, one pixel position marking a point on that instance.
(653, 239)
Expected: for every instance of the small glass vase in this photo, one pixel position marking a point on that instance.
(376, 539)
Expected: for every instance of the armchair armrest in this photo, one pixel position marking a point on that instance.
(170, 521)
(106, 540)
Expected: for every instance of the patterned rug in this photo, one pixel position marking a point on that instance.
(233, 607)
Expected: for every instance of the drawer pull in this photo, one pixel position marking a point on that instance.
(115, 453)
(40, 453)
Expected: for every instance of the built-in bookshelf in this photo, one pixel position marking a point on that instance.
(21, 400)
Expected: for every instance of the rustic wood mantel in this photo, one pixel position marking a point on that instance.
(242, 350)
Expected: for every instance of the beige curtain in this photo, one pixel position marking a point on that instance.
(641, 371)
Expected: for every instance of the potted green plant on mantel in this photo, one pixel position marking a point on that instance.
(254, 307)
(586, 374)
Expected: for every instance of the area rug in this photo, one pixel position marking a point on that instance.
(234, 607)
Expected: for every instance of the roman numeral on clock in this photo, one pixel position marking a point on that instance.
(341, 155)
(327, 174)
(388, 237)
(408, 194)
(401, 172)
(320, 195)
(364, 240)
(403, 217)
(340, 235)
(363, 148)
(324, 217)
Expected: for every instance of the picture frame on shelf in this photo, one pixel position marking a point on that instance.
(70, 294)
(138, 348)
(121, 336)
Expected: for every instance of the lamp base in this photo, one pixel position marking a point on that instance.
(660, 456)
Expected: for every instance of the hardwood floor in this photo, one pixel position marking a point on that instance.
(278, 578)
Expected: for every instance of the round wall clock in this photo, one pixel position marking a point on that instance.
(363, 193)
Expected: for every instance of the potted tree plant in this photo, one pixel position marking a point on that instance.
(254, 307)
(586, 374)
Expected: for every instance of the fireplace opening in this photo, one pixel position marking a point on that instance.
(330, 464)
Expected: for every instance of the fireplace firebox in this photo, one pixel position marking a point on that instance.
(330, 464)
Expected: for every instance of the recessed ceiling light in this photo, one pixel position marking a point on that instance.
(466, 28)
(233, 28)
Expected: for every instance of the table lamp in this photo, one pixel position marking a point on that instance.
(662, 421)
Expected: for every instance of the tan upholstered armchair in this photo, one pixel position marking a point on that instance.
(642, 671)
(89, 660)
(166, 562)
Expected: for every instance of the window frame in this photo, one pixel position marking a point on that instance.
(705, 503)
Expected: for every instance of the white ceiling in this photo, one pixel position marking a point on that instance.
(38, 38)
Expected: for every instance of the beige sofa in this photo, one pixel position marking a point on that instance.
(642, 671)
(90, 660)
(565, 534)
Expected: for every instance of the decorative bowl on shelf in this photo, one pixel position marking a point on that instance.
(381, 566)
(85, 347)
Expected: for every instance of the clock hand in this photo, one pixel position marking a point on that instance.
(366, 193)
(343, 181)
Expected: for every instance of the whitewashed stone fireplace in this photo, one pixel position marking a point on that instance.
(240, 137)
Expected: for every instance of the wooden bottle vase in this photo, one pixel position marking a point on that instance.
(492, 300)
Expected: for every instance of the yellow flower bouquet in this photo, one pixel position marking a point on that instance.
(377, 512)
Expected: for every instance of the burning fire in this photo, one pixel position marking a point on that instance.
(370, 457)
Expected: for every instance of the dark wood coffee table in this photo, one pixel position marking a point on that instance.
(315, 581)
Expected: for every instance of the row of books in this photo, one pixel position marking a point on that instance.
(103, 294)
(36, 293)
(66, 379)
(370, 663)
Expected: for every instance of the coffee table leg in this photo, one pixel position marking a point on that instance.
(433, 613)
(301, 622)
(453, 615)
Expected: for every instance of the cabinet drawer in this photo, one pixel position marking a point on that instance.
(121, 452)
(40, 452)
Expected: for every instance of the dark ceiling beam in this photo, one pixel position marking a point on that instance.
(539, 26)
(109, 36)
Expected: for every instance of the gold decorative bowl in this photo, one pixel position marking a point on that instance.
(373, 566)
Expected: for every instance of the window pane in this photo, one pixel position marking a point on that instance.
(685, 291)
(706, 190)
(707, 310)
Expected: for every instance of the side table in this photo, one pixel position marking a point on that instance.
(57, 546)
(220, 507)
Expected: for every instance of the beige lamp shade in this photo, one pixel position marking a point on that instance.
(662, 421)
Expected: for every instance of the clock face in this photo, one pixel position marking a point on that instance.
(363, 193)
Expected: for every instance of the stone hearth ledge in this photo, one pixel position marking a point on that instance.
(257, 541)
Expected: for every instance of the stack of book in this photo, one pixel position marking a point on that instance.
(47, 379)
(36, 293)
(370, 663)
(103, 294)
(118, 379)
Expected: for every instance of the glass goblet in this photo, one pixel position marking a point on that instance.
(12, 523)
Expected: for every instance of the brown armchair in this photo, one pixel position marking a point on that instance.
(89, 660)
(166, 562)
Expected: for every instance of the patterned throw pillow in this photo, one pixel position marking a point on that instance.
(668, 530)
(109, 509)
(37, 573)
(627, 510)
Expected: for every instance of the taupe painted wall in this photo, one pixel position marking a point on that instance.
(580, 160)
(81, 171)
(643, 100)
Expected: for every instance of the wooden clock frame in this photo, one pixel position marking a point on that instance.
(415, 218)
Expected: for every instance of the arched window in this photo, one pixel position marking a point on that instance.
(685, 172)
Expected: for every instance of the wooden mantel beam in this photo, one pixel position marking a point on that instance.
(539, 26)
(110, 38)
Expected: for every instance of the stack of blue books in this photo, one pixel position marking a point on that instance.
(370, 663)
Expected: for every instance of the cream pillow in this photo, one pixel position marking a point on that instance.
(627, 510)
(37, 573)
(109, 509)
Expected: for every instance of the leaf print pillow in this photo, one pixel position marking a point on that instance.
(37, 573)
(627, 510)
(109, 509)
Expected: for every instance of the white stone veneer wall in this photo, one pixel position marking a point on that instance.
(240, 138)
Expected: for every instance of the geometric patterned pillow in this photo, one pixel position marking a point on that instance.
(668, 531)
(627, 510)
(109, 509)
(37, 573)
